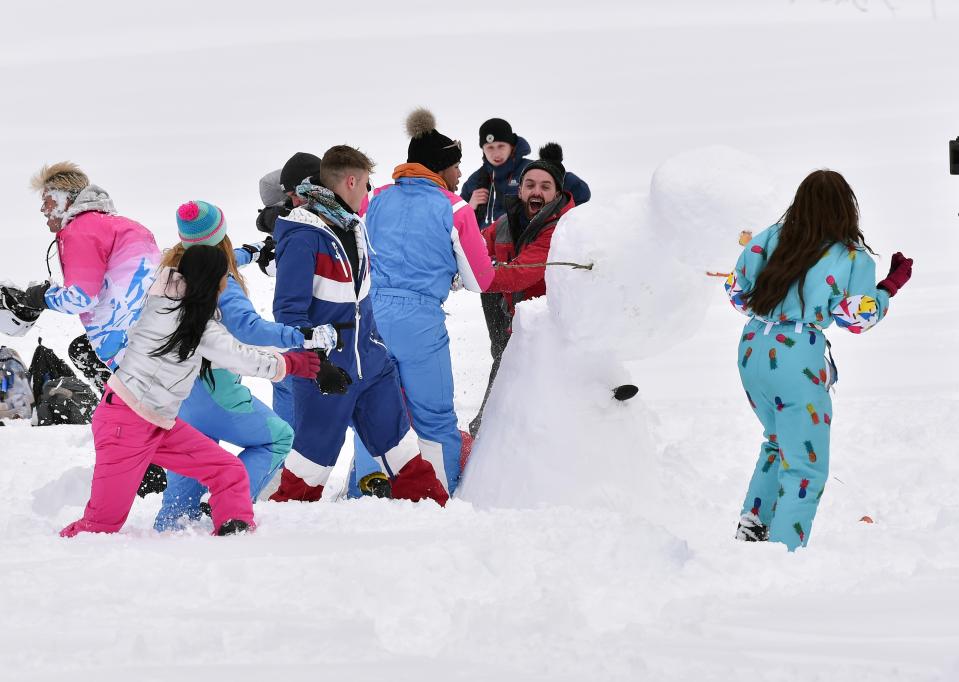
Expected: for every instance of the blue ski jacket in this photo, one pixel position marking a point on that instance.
(424, 235)
(242, 320)
(315, 285)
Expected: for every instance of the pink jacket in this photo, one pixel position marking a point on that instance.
(108, 263)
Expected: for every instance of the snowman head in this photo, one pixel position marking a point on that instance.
(647, 289)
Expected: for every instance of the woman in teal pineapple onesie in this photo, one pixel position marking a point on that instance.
(793, 280)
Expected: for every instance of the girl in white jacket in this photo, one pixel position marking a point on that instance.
(175, 339)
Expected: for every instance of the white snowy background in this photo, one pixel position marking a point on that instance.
(165, 102)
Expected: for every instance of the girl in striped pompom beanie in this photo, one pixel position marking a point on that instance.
(200, 222)
(224, 409)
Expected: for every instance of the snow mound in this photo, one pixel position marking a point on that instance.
(71, 488)
(552, 433)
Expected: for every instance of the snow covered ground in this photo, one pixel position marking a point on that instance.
(164, 103)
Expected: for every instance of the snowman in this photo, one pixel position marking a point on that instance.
(562, 425)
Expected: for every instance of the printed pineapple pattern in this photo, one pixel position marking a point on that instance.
(840, 287)
(788, 394)
(786, 376)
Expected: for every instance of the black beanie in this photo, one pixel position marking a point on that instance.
(428, 146)
(496, 130)
(300, 166)
(550, 160)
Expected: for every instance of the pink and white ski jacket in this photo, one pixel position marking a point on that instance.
(108, 264)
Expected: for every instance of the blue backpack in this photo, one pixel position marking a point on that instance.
(16, 396)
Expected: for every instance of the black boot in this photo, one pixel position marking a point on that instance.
(232, 527)
(751, 529)
(376, 485)
(154, 481)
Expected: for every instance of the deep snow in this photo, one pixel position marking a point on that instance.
(165, 103)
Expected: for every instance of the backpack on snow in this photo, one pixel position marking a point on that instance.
(16, 396)
(60, 397)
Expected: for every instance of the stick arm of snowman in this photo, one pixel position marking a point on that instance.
(575, 266)
(620, 393)
(744, 238)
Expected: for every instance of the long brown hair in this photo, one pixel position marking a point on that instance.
(824, 212)
(203, 268)
(172, 256)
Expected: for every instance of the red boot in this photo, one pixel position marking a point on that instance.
(465, 449)
(294, 488)
(417, 481)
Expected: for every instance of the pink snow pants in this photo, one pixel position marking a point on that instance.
(126, 444)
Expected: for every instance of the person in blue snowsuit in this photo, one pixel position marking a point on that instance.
(424, 235)
(277, 191)
(793, 280)
(225, 410)
(323, 277)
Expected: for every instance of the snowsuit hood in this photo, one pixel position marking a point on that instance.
(91, 198)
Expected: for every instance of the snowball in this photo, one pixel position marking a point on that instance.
(60, 198)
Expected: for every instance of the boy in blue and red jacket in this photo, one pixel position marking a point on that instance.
(323, 277)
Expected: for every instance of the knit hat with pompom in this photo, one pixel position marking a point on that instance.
(199, 222)
(550, 160)
(428, 146)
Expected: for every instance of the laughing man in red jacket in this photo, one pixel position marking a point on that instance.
(522, 237)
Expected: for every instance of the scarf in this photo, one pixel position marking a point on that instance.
(417, 170)
(323, 202)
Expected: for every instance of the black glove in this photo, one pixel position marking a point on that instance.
(266, 219)
(253, 250)
(332, 379)
(154, 481)
(267, 257)
(15, 300)
(33, 296)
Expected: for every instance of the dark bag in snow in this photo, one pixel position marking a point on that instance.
(16, 397)
(66, 400)
(60, 397)
(44, 366)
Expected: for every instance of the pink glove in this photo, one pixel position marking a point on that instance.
(899, 273)
(302, 363)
